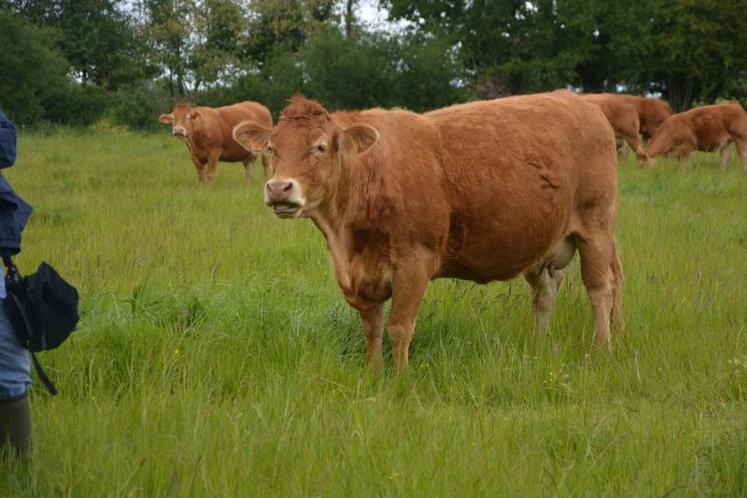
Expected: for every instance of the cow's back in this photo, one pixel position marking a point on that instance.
(517, 171)
(221, 122)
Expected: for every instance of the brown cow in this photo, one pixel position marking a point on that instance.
(207, 132)
(481, 191)
(708, 128)
(651, 113)
(622, 114)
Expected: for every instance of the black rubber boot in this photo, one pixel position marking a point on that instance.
(15, 425)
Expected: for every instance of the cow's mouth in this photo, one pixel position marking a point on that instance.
(285, 209)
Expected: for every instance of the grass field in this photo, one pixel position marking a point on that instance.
(216, 356)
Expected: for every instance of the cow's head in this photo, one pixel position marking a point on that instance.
(308, 151)
(182, 120)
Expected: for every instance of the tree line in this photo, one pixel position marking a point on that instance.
(77, 61)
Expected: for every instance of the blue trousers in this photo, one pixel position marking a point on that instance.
(15, 366)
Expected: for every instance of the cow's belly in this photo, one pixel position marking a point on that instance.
(711, 143)
(507, 240)
(234, 153)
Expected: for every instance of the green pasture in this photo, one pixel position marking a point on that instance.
(216, 356)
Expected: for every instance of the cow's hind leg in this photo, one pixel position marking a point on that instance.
(544, 281)
(597, 251)
(373, 330)
(248, 168)
(622, 149)
(742, 151)
(725, 151)
(685, 159)
(266, 165)
(212, 165)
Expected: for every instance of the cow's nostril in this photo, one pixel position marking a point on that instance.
(287, 187)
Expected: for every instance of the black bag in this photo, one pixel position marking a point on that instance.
(43, 309)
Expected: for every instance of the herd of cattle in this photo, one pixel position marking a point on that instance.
(481, 191)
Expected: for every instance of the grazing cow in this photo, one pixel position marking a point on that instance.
(622, 114)
(651, 113)
(708, 128)
(481, 191)
(207, 132)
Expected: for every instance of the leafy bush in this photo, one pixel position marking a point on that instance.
(139, 105)
(75, 105)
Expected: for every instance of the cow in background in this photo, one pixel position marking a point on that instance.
(622, 115)
(207, 132)
(651, 113)
(480, 191)
(709, 128)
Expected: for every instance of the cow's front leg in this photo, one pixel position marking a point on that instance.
(408, 287)
(200, 167)
(373, 329)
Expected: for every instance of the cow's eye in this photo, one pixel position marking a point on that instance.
(320, 149)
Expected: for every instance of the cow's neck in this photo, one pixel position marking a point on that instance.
(332, 225)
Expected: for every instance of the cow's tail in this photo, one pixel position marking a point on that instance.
(616, 316)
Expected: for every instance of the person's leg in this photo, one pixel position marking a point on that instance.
(15, 379)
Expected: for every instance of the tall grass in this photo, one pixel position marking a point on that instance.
(216, 356)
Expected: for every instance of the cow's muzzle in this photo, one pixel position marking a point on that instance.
(284, 197)
(178, 131)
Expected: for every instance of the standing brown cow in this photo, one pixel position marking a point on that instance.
(622, 115)
(207, 132)
(481, 191)
(708, 128)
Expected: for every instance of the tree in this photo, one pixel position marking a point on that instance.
(32, 68)
(167, 26)
(219, 26)
(697, 50)
(97, 38)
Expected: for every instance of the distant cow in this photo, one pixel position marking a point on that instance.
(207, 133)
(651, 113)
(708, 128)
(622, 114)
(481, 191)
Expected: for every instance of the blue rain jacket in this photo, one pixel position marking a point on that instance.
(14, 211)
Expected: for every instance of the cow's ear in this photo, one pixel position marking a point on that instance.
(166, 118)
(357, 138)
(252, 136)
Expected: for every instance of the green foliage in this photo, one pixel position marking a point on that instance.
(690, 50)
(349, 73)
(32, 69)
(699, 49)
(139, 105)
(216, 355)
(222, 51)
(75, 105)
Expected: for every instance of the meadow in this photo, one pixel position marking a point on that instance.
(217, 357)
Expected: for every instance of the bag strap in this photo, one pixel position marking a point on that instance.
(13, 274)
(43, 375)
